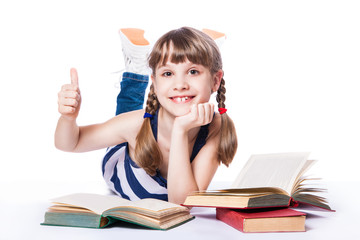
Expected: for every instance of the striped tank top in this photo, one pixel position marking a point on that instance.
(131, 182)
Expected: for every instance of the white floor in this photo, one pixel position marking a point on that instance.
(22, 213)
(292, 76)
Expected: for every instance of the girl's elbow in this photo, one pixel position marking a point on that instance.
(176, 200)
(64, 147)
(179, 197)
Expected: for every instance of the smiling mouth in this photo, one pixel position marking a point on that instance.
(184, 99)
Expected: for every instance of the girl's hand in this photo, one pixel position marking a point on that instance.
(199, 115)
(69, 98)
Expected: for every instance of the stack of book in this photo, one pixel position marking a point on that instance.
(260, 197)
(258, 201)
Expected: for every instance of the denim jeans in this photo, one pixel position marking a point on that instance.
(132, 92)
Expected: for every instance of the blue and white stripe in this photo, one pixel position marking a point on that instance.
(128, 180)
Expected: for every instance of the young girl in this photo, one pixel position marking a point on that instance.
(173, 146)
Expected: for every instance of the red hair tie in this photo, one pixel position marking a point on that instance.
(222, 110)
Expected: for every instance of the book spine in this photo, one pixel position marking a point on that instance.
(231, 218)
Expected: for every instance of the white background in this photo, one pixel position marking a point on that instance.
(291, 71)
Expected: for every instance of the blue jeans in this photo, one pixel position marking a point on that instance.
(132, 93)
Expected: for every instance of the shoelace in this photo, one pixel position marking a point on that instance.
(135, 60)
(117, 83)
(137, 64)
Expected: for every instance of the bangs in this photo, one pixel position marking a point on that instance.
(184, 44)
(177, 51)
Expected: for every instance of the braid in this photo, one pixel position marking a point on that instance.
(220, 97)
(152, 104)
(228, 140)
(147, 153)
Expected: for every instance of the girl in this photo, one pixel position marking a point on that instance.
(174, 145)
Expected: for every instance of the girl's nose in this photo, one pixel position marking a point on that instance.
(181, 83)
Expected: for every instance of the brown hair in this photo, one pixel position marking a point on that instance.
(198, 48)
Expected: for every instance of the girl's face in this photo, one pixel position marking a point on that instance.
(179, 86)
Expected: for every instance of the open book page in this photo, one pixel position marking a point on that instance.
(271, 170)
(300, 178)
(94, 202)
(100, 203)
(306, 167)
(156, 205)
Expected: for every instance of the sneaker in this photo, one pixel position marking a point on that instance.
(136, 50)
(218, 37)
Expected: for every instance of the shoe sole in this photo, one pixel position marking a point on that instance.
(135, 36)
(214, 34)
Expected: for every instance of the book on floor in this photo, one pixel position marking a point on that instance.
(267, 180)
(263, 220)
(99, 211)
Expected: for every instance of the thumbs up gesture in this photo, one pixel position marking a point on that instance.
(69, 98)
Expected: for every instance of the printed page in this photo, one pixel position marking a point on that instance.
(94, 202)
(156, 205)
(307, 166)
(100, 203)
(271, 170)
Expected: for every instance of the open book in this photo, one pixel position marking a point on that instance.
(267, 180)
(98, 211)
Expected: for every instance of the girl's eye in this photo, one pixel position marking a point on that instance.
(193, 71)
(167, 74)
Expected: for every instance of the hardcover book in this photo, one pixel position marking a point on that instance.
(269, 220)
(267, 180)
(99, 211)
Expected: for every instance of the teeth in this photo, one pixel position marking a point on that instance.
(181, 99)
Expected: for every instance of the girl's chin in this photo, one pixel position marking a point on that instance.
(178, 112)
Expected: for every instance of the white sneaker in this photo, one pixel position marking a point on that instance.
(136, 50)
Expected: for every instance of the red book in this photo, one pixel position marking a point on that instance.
(263, 220)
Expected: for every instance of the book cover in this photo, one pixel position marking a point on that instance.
(265, 220)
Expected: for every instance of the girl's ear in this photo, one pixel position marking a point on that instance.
(217, 80)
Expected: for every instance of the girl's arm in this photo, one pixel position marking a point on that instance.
(69, 101)
(183, 176)
(70, 137)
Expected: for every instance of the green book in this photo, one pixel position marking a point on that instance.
(98, 211)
